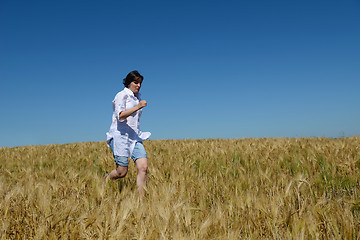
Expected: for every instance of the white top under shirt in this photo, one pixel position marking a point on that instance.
(125, 132)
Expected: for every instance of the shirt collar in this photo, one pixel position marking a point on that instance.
(128, 91)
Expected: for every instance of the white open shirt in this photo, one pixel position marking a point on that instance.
(125, 132)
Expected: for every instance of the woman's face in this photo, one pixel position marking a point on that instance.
(135, 86)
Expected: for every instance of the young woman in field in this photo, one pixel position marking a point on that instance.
(124, 137)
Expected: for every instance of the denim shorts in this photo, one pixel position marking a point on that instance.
(138, 152)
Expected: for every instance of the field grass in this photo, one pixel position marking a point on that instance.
(270, 188)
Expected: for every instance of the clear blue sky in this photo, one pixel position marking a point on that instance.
(213, 69)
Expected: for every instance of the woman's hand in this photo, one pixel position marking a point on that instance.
(142, 104)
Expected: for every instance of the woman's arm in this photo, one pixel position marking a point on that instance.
(127, 113)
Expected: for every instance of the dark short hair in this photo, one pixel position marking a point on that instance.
(131, 77)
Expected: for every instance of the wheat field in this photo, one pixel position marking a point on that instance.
(269, 188)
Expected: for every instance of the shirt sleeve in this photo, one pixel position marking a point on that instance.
(119, 104)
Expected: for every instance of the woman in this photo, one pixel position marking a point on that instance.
(124, 137)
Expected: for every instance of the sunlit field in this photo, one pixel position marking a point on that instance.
(270, 188)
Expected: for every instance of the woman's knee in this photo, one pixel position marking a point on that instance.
(142, 164)
(121, 171)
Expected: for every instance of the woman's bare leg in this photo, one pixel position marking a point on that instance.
(141, 165)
